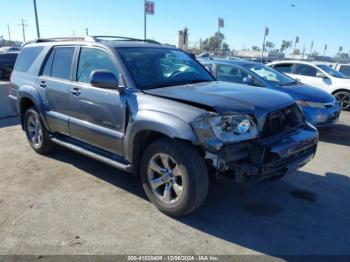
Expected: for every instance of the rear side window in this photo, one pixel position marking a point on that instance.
(305, 70)
(284, 68)
(62, 62)
(345, 70)
(27, 57)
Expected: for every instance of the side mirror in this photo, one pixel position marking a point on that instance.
(104, 79)
(248, 81)
(321, 75)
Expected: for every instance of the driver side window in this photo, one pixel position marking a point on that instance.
(91, 59)
(230, 74)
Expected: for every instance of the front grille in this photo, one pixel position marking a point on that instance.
(282, 120)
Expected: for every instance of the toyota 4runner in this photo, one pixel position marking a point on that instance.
(153, 110)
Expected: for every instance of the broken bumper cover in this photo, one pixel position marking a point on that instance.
(267, 158)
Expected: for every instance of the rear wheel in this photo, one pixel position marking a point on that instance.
(174, 177)
(37, 134)
(344, 99)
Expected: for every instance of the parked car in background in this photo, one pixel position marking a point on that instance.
(318, 75)
(7, 49)
(319, 107)
(155, 111)
(7, 62)
(342, 68)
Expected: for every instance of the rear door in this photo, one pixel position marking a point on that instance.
(97, 115)
(56, 81)
(311, 75)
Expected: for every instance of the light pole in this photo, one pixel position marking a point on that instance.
(36, 20)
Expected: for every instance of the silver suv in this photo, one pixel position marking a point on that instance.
(155, 111)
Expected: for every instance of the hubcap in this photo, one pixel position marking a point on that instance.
(34, 130)
(165, 178)
(344, 99)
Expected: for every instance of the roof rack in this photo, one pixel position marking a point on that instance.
(98, 38)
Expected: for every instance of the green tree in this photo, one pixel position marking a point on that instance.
(215, 43)
(286, 45)
(269, 46)
(256, 48)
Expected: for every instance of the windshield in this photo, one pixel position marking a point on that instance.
(271, 75)
(332, 71)
(160, 67)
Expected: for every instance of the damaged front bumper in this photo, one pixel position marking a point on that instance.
(261, 159)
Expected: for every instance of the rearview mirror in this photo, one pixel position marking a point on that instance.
(104, 79)
(248, 81)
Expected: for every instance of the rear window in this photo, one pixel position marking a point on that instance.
(27, 57)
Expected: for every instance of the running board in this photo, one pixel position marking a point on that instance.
(83, 151)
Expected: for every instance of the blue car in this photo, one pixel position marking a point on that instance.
(319, 107)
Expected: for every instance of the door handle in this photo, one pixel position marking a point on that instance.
(75, 91)
(43, 84)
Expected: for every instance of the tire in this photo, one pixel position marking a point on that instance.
(182, 187)
(344, 98)
(37, 134)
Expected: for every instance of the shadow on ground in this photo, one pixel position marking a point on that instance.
(9, 121)
(335, 134)
(303, 213)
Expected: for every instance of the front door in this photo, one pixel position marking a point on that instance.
(97, 115)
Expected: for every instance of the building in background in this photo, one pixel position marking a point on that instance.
(183, 39)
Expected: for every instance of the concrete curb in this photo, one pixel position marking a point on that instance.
(5, 106)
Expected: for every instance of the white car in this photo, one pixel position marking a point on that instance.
(318, 75)
(342, 68)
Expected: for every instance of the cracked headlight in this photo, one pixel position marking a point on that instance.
(219, 129)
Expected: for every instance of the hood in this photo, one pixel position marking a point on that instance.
(307, 93)
(225, 97)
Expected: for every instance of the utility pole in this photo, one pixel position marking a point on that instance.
(295, 44)
(86, 31)
(9, 32)
(36, 20)
(267, 30)
(145, 23)
(23, 25)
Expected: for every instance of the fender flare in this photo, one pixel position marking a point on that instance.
(163, 123)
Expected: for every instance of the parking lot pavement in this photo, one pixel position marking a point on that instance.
(66, 203)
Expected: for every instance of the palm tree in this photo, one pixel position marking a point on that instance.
(269, 45)
(285, 46)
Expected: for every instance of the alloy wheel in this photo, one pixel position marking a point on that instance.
(165, 178)
(34, 131)
(344, 99)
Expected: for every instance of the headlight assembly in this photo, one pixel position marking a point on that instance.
(225, 128)
(310, 104)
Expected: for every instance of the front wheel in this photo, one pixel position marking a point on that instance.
(343, 97)
(174, 177)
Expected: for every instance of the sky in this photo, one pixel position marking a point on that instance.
(320, 21)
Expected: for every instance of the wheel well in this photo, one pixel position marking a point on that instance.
(24, 105)
(340, 90)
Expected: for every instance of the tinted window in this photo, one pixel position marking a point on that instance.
(230, 74)
(91, 59)
(345, 70)
(305, 70)
(62, 62)
(284, 68)
(331, 71)
(26, 58)
(48, 65)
